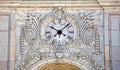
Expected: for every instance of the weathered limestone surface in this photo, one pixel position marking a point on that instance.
(111, 27)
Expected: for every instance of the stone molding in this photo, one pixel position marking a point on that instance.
(50, 4)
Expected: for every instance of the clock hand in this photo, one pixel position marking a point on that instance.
(63, 34)
(53, 28)
(55, 35)
(59, 36)
(59, 32)
(65, 27)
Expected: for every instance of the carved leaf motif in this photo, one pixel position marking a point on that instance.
(31, 21)
(87, 26)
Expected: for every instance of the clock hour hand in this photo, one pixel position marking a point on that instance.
(53, 28)
(65, 27)
(63, 34)
(58, 34)
(55, 35)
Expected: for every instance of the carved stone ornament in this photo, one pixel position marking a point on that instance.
(59, 34)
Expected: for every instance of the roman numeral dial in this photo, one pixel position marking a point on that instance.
(59, 33)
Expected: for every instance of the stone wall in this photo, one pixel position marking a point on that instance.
(110, 30)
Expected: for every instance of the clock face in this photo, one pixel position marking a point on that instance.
(59, 32)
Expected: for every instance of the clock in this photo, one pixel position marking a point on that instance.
(59, 32)
(59, 28)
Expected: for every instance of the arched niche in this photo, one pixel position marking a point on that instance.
(59, 66)
(66, 61)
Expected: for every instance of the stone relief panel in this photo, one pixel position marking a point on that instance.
(34, 45)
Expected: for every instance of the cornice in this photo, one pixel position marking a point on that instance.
(18, 5)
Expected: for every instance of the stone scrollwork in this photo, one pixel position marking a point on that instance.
(84, 48)
(29, 35)
(88, 21)
(31, 25)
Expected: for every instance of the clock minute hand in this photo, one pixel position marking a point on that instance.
(53, 28)
(65, 26)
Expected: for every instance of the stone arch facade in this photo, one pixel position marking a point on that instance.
(64, 60)
(85, 47)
